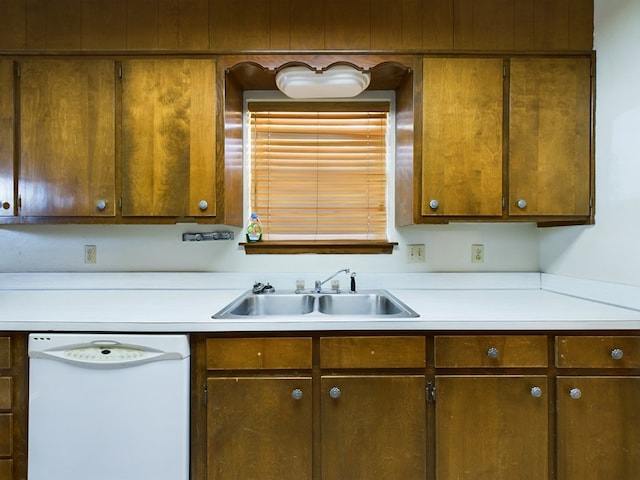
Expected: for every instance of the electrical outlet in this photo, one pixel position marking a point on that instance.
(415, 253)
(477, 253)
(90, 254)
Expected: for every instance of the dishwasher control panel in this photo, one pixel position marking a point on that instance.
(105, 354)
(107, 350)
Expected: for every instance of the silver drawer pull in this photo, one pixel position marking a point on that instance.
(335, 392)
(575, 393)
(617, 354)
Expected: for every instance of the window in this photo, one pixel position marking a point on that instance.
(318, 169)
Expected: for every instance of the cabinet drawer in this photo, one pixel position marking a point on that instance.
(372, 352)
(5, 352)
(6, 435)
(258, 353)
(6, 389)
(598, 352)
(491, 351)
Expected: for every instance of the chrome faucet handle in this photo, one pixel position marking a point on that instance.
(259, 287)
(353, 283)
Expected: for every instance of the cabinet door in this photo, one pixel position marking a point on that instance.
(169, 137)
(550, 136)
(491, 427)
(598, 428)
(259, 428)
(462, 136)
(6, 469)
(67, 134)
(7, 118)
(373, 427)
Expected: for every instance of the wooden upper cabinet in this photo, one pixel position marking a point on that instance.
(280, 25)
(538, 167)
(168, 137)
(67, 137)
(550, 163)
(462, 137)
(7, 123)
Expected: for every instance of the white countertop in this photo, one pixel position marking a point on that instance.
(177, 302)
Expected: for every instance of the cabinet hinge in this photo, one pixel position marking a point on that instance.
(19, 202)
(503, 202)
(204, 393)
(504, 71)
(120, 72)
(120, 203)
(431, 393)
(18, 71)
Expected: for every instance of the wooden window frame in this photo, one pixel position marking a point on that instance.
(377, 245)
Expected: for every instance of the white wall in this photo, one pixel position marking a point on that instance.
(610, 250)
(160, 248)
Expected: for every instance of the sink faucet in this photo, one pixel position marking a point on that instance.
(318, 286)
(259, 287)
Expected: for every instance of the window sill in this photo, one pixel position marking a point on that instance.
(293, 247)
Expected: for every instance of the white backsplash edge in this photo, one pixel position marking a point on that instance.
(280, 280)
(618, 294)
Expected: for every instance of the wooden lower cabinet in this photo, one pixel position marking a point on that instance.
(491, 426)
(598, 432)
(598, 427)
(420, 407)
(373, 426)
(259, 408)
(13, 406)
(259, 428)
(491, 422)
(273, 413)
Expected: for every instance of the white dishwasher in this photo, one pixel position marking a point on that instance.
(108, 407)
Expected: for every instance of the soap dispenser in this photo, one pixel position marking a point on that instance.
(254, 228)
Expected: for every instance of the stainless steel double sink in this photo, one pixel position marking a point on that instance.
(370, 303)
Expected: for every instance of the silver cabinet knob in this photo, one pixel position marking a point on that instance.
(536, 392)
(296, 394)
(101, 204)
(617, 354)
(492, 352)
(335, 392)
(434, 204)
(522, 203)
(575, 393)
(203, 205)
